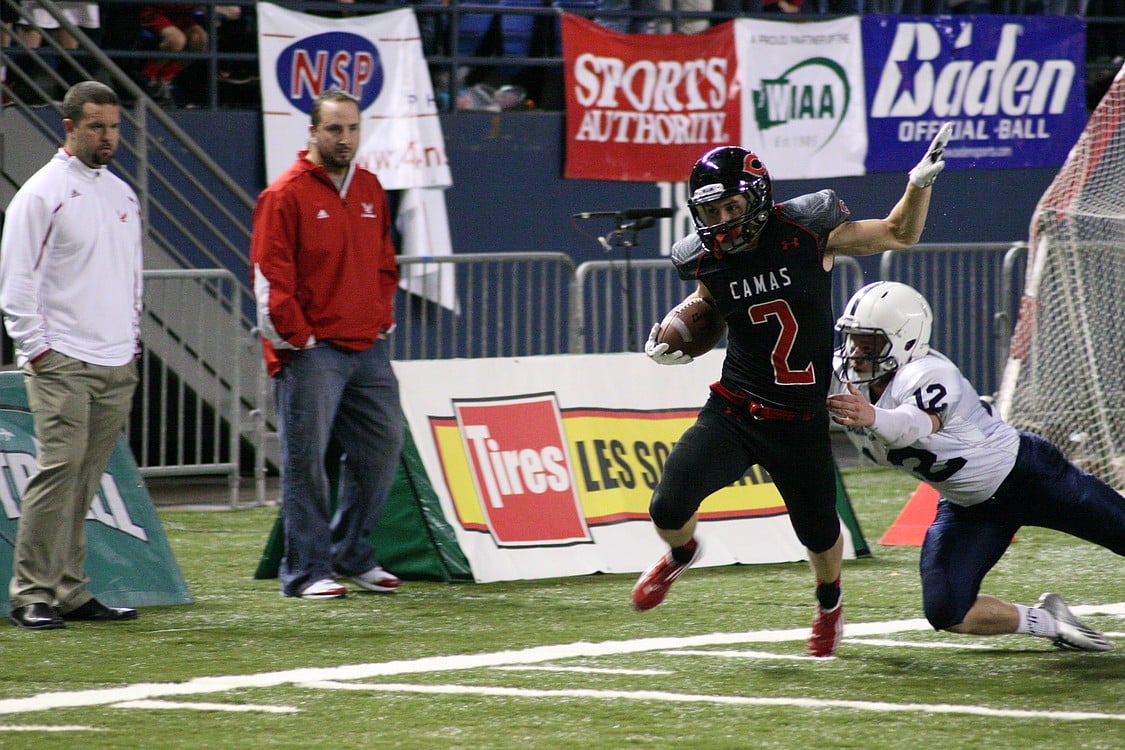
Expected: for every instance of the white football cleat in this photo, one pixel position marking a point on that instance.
(1073, 634)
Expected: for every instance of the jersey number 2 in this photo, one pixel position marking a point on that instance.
(783, 347)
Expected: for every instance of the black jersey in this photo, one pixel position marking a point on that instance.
(777, 302)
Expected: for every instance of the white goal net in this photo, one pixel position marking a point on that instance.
(1065, 378)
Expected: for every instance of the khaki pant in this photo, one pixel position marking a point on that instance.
(79, 410)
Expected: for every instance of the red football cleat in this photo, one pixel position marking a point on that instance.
(653, 585)
(827, 631)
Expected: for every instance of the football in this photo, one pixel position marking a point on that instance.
(693, 327)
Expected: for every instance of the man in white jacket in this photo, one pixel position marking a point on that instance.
(70, 292)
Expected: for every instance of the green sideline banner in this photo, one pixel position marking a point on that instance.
(412, 539)
(130, 563)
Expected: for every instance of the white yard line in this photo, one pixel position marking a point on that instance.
(201, 706)
(431, 664)
(740, 654)
(46, 728)
(584, 670)
(725, 700)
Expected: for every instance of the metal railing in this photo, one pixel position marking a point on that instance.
(189, 415)
(524, 35)
(194, 214)
(970, 288)
(525, 304)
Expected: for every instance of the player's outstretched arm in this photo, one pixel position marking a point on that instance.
(904, 224)
(927, 170)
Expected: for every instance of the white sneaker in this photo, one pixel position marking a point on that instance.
(1072, 632)
(377, 579)
(325, 588)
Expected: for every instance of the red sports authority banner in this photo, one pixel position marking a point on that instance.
(643, 107)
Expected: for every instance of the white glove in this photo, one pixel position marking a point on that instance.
(659, 353)
(923, 175)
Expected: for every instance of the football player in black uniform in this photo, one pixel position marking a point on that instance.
(767, 268)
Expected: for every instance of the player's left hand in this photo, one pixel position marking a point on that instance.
(851, 409)
(923, 175)
(659, 353)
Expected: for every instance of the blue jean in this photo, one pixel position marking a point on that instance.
(1043, 489)
(326, 394)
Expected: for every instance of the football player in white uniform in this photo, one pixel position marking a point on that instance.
(908, 406)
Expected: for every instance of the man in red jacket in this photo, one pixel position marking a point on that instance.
(325, 276)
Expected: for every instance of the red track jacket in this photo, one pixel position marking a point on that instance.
(322, 260)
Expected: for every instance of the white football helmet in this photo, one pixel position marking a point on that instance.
(897, 312)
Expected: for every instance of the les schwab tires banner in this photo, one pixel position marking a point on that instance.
(544, 466)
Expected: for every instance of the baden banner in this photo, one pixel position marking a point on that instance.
(1014, 88)
(376, 58)
(545, 466)
(830, 98)
(130, 563)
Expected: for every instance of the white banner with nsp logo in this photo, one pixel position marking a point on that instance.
(376, 58)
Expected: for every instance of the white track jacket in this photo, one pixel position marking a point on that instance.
(71, 263)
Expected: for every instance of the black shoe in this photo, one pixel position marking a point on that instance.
(37, 616)
(95, 610)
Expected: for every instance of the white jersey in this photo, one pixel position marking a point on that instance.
(972, 452)
(71, 265)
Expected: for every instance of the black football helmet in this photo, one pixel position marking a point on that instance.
(723, 172)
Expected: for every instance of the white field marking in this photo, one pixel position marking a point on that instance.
(924, 644)
(748, 655)
(728, 700)
(586, 670)
(44, 728)
(197, 706)
(431, 664)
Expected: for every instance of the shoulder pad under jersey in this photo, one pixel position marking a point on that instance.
(686, 254)
(819, 212)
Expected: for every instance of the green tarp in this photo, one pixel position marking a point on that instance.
(130, 563)
(412, 539)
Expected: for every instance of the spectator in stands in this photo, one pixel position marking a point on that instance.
(967, 7)
(654, 24)
(83, 15)
(70, 289)
(238, 32)
(177, 29)
(743, 7)
(782, 6)
(908, 407)
(325, 275)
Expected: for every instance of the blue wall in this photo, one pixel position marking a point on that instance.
(508, 192)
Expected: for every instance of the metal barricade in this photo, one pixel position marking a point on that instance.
(526, 304)
(500, 305)
(188, 415)
(496, 305)
(966, 286)
(618, 301)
